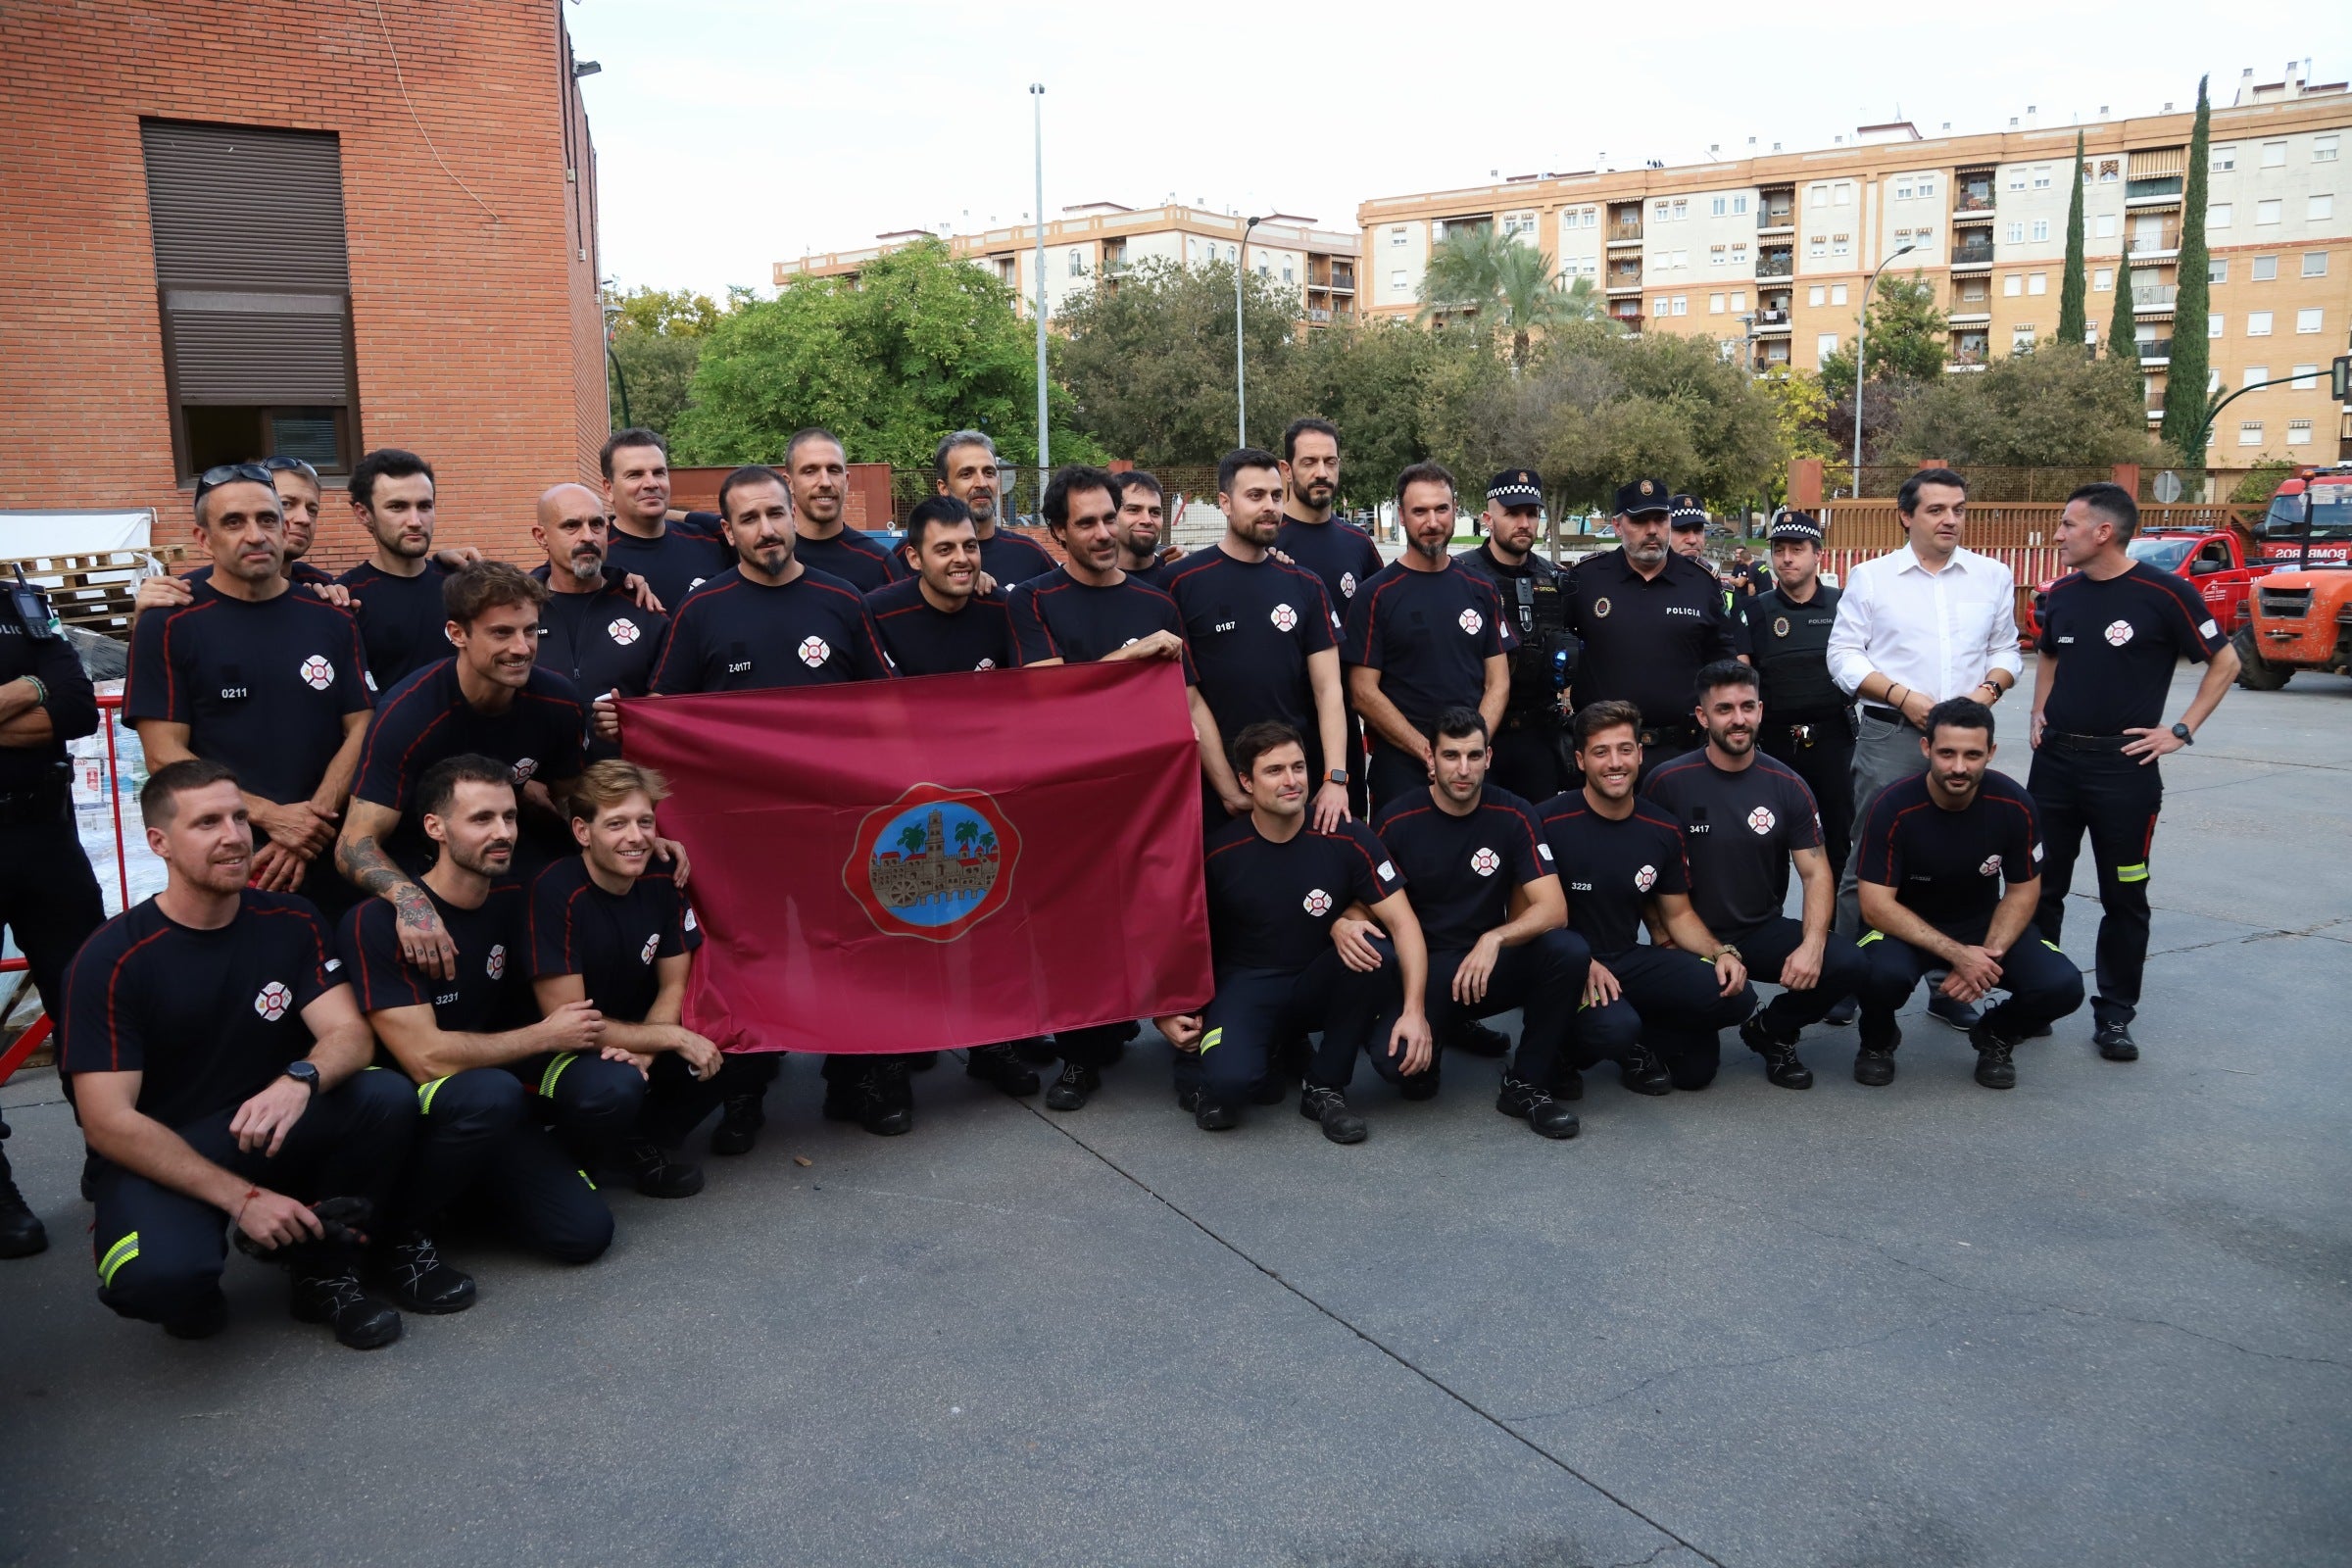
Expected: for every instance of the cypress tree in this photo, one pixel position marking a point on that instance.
(2122, 326)
(2073, 322)
(2185, 400)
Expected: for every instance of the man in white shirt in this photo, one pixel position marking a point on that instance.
(1928, 622)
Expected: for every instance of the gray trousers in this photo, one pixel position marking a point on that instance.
(1883, 754)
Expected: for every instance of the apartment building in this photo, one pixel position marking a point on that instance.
(1098, 241)
(1769, 252)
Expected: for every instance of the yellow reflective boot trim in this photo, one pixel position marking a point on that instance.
(2132, 873)
(1868, 940)
(591, 1182)
(424, 1094)
(121, 1252)
(554, 1070)
(1210, 1039)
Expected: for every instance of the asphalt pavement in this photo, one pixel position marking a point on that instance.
(2102, 1318)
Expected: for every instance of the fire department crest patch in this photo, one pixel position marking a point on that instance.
(1646, 878)
(273, 1001)
(317, 673)
(1761, 820)
(2118, 632)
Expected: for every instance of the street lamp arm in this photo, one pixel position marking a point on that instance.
(2205, 429)
(1862, 358)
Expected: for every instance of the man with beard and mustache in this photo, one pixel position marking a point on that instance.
(1747, 818)
(964, 466)
(396, 592)
(217, 1061)
(1527, 746)
(940, 621)
(1422, 636)
(1339, 552)
(1143, 509)
(674, 556)
(1648, 1007)
(263, 677)
(1260, 636)
(1807, 721)
(1938, 851)
(818, 469)
(479, 1052)
(1650, 618)
(592, 631)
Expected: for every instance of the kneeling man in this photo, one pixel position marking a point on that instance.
(1935, 849)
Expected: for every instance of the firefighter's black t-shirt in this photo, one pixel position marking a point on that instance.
(2116, 643)
(682, 559)
(1430, 635)
(1949, 867)
(1251, 626)
(1462, 868)
(1342, 556)
(1057, 617)
(1272, 905)
(1739, 831)
(403, 621)
(614, 941)
(490, 993)
(1611, 869)
(850, 555)
(923, 640)
(736, 635)
(601, 642)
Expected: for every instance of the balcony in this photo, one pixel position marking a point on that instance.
(2155, 247)
(1772, 220)
(1976, 256)
(1781, 266)
(1623, 285)
(2153, 298)
(1973, 199)
(2155, 351)
(1970, 312)
(2158, 190)
(1624, 233)
(1631, 320)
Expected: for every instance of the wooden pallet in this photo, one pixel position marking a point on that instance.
(95, 592)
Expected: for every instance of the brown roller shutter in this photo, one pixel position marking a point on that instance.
(252, 270)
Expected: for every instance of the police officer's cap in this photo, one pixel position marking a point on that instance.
(1644, 497)
(1516, 487)
(1794, 527)
(1685, 513)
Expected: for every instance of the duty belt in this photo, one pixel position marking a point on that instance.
(42, 803)
(2067, 742)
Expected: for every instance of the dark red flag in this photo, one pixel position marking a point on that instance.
(949, 861)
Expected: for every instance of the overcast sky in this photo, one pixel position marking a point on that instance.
(731, 133)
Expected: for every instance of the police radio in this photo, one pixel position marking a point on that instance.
(32, 610)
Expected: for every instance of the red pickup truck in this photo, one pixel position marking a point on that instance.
(2218, 562)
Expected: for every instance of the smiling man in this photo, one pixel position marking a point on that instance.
(674, 558)
(939, 622)
(964, 466)
(818, 469)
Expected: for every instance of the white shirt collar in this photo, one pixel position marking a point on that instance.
(1907, 558)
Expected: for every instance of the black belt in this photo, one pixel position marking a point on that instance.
(2066, 742)
(1884, 715)
(41, 804)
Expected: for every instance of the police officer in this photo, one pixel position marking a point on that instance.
(1651, 620)
(1529, 743)
(818, 471)
(48, 897)
(2112, 632)
(265, 677)
(1423, 636)
(592, 631)
(1937, 850)
(1807, 720)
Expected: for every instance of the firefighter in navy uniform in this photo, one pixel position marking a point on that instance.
(1529, 759)
(48, 897)
(1807, 720)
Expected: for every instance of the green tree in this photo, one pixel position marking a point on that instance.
(2062, 409)
(656, 338)
(912, 840)
(2122, 326)
(965, 832)
(2074, 323)
(1386, 384)
(2186, 403)
(1499, 286)
(1905, 339)
(917, 345)
(1147, 359)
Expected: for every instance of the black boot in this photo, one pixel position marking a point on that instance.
(1329, 1107)
(880, 1098)
(1643, 1073)
(739, 1123)
(655, 1173)
(335, 1298)
(1781, 1064)
(420, 1282)
(1535, 1108)
(21, 1231)
(1994, 1068)
(999, 1067)
(1071, 1089)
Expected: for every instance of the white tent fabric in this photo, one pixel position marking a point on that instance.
(75, 533)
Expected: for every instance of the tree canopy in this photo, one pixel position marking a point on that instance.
(1905, 341)
(2057, 406)
(1486, 278)
(1148, 360)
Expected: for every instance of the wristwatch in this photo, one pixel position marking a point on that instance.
(1733, 950)
(1338, 775)
(305, 1073)
(2180, 732)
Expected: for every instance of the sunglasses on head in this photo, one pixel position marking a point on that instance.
(291, 466)
(212, 479)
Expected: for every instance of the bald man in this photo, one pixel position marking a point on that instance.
(592, 629)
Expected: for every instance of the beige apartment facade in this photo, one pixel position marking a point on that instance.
(1100, 241)
(1788, 241)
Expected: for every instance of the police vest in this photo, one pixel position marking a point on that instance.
(1791, 646)
(1545, 657)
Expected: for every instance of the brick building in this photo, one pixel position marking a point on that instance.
(243, 227)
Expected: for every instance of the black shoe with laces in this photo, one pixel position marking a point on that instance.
(2114, 1042)
(1535, 1108)
(1328, 1106)
(22, 1232)
(1001, 1069)
(739, 1122)
(359, 1319)
(655, 1173)
(1994, 1069)
(420, 1282)
(1874, 1065)
(1069, 1091)
(202, 1321)
(878, 1098)
(1643, 1073)
(1781, 1064)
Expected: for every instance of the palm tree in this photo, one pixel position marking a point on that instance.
(1481, 270)
(965, 832)
(912, 840)
(988, 844)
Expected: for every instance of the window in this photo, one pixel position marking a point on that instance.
(1839, 244)
(1926, 238)
(2037, 283)
(2319, 209)
(1926, 187)
(1902, 237)
(1739, 205)
(2267, 212)
(1824, 345)
(2249, 434)
(2274, 155)
(1817, 246)
(1681, 209)
(2041, 229)
(2105, 227)
(2266, 268)
(2102, 278)
(2021, 337)
(1714, 305)
(2254, 373)
(2258, 323)
(1518, 222)
(2323, 149)
(1682, 259)
(1715, 255)
(2308, 320)
(2298, 432)
(2224, 159)
(1661, 306)
(2218, 216)
(1719, 205)
(1661, 210)
(2015, 233)
(2041, 176)
(1739, 299)
(257, 346)
(2016, 179)
(2217, 269)
(2109, 173)
(2315, 263)
(1836, 293)
(1077, 264)
(1682, 305)
(1902, 190)
(2013, 285)
(1817, 295)
(1397, 281)
(1738, 254)
(2213, 326)
(1396, 236)
(1821, 195)
(2307, 376)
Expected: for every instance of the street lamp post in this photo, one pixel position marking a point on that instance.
(1037, 104)
(1862, 343)
(1240, 380)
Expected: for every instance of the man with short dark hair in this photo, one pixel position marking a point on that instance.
(1527, 741)
(964, 466)
(1651, 620)
(817, 471)
(478, 1050)
(1656, 1010)
(1936, 850)
(1340, 553)
(218, 1063)
(1422, 636)
(1260, 631)
(1291, 923)
(1807, 721)
(1141, 518)
(298, 495)
(2113, 630)
(938, 621)
(674, 557)
(490, 698)
(396, 592)
(263, 677)
(1491, 909)
(592, 631)
(1747, 818)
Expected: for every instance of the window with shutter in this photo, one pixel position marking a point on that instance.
(253, 285)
